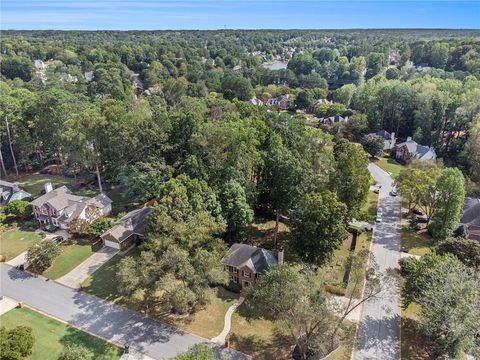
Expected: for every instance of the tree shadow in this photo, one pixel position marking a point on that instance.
(101, 349)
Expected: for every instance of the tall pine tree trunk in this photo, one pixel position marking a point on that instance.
(2, 162)
(99, 178)
(277, 219)
(11, 146)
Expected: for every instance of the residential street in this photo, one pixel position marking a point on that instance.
(379, 328)
(111, 322)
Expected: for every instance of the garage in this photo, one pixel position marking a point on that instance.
(112, 244)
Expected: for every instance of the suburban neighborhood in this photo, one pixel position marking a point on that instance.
(239, 194)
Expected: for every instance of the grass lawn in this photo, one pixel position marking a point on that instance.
(14, 242)
(416, 243)
(51, 336)
(334, 270)
(208, 322)
(34, 183)
(70, 257)
(369, 209)
(363, 244)
(259, 338)
(390, 166)
(102, 282)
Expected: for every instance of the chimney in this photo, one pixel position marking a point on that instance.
(48, 187)
(409, 138)
(392, 136)
(280, 256)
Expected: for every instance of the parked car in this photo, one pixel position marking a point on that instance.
(58, 239)
(393, 192)
(379, 217)
(417, 211)
(421, 218)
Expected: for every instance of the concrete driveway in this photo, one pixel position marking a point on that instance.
(75, 277)
(379, 328)
(108, 321)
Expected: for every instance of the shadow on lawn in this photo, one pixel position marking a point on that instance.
(278, 348)
(101, 349)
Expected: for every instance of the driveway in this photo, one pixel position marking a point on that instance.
(379, 327)
(75, 277)
(113, 323)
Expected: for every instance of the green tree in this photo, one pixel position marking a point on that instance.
(197, 352)
(235, 209)
(357, 125)
(16, 343)
(449, 294)
(318, 226)
(19, 208)
(373, 145)
(466, 250)
(344, 94)
(283, 178)
(351, 179)
(303, 100)
(75, 352)
(450, 195)
(99, 226)
(40, 256)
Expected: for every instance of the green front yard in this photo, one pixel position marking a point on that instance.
(51, 336)
(102, 282)
(416, 243)
(71, 256)
(14, 242)
(369, 209)
(390, 165)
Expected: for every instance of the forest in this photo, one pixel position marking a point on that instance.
(181, 119)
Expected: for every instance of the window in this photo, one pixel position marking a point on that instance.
(246, 274)
(246, 284)
(235, 279)
(234, 270)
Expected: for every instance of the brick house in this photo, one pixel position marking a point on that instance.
(281, 102)
(245, 263)
(59, 207)
(471, 218)
(411, 150)
(332, 120)
(127, 231)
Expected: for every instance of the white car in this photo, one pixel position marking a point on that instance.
(378, 218)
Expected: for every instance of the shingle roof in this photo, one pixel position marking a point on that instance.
(419, 151)
(132, 223)
(257, 259)
(59, 198)
(471, 212)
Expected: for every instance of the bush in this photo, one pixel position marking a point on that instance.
(75, 352)
(233, 286)
(98, 227)
(18, 208)
(16, 343)
(467, 251)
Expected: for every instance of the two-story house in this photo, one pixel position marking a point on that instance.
(59, 207)
(411, 150)
(245, 263)
(10, 191)
(281, 102)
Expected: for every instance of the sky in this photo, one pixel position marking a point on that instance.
(236, 14)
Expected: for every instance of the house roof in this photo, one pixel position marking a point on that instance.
(257, 259)
(382, 133)
(333, 119)
(132, 223)
(471, 212)
(10, 191)
(418, 151)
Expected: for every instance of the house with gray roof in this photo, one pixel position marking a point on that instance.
(389, 139)
(127, 231)
(332, 120)
(411, 150)
(11, 191)
(245, 263)
(471, 218)
(59, 207)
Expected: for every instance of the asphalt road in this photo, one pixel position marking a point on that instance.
(111, 322)
(379, 327)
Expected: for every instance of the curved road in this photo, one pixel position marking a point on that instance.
(111, 322)
(379, 326)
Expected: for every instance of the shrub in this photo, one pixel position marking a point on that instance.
(182, 300)
(75, 352)
(16, 343)
(467, 251)
(233, 286)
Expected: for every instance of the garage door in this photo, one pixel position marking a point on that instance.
(112, 244)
